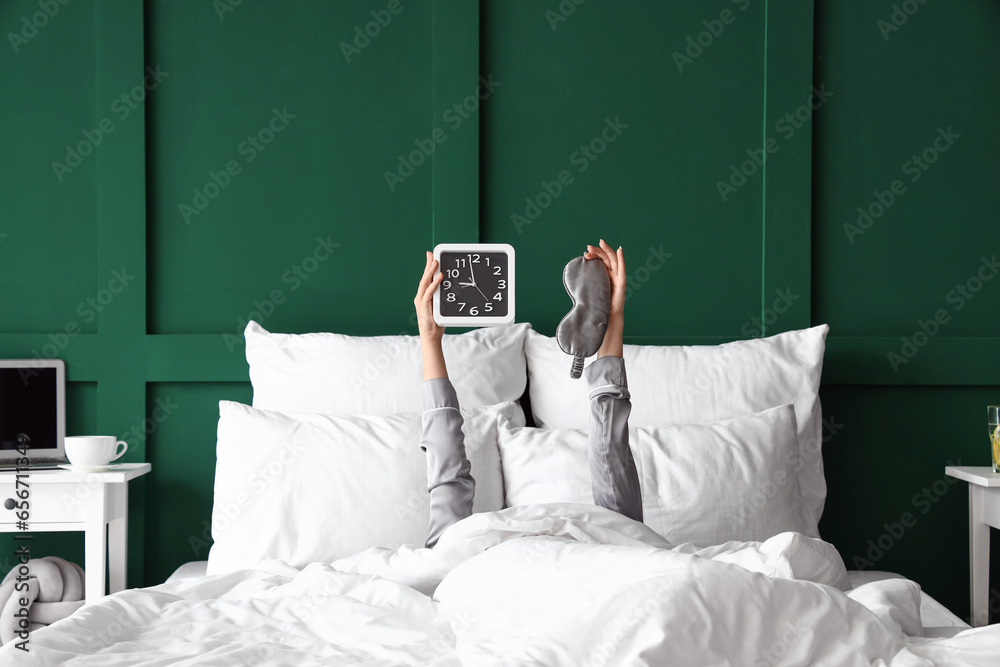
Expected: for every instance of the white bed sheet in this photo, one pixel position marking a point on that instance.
(543, 585)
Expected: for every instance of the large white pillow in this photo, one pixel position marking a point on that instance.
(701, 384)
(701, 483)
(379, 375)
(309, 487)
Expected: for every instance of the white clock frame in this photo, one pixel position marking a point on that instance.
(477, 321)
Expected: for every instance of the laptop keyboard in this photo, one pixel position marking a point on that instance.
(40, 462)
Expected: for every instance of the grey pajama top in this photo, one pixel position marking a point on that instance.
(450, 484)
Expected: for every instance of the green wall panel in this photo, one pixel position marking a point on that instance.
(674, 125)
(926, 87)
(81, 408)
(307, 137)
(182, 452)
(48, 214)
(885, 458)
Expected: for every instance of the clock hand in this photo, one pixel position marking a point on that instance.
(473, 272)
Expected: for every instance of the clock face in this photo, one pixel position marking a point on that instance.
(476, 284)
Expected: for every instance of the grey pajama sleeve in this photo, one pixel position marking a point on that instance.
(613, 474)
(449, 477)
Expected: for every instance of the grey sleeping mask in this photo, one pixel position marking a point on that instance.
(581, 332)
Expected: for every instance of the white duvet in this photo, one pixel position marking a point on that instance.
(537, 585)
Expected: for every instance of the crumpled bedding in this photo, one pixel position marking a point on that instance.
(535, 585)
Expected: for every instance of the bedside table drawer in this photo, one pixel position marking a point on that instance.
(48, 503)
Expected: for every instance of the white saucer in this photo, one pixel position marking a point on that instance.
(73, 468)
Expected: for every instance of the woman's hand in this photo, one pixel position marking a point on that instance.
(614, 262)
(431, 332)
(424, 300)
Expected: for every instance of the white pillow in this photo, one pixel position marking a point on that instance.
(699, 385)
(337, 374)
(308, 487)
(701, 483)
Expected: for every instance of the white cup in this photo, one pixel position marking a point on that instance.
(92, 451)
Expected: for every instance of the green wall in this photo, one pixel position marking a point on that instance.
(282, 165)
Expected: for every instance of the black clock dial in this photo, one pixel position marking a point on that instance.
(476, 284)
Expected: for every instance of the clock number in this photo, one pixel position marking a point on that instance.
(498, 297)
(451, 297)
(474, 261)
(453, 273)
(488, 307)
(446, 285)
(487, 260)
(501, 284)
(461, 306)
(496, 270)
(473, 311)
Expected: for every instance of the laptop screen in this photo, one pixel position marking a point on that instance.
(29, 409)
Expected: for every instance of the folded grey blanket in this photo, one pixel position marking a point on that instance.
(49, 588)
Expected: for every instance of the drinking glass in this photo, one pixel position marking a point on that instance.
(993, 418)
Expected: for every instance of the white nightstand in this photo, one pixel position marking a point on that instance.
(69, 500)
(984, 511)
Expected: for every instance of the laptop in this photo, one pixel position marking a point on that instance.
(32, 412)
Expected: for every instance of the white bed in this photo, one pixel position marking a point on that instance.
(545, 585)
(319, 499)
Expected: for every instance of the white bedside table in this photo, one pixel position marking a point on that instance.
(68, 500)
(984, 511)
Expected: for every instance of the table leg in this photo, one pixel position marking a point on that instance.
(979, 556)
(95, 544)
(118, 541)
